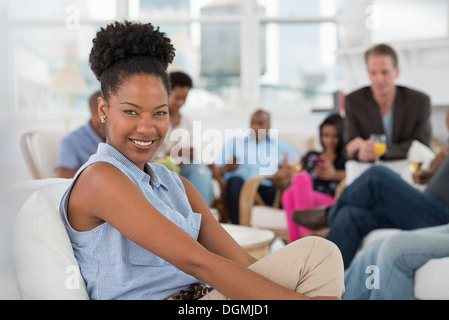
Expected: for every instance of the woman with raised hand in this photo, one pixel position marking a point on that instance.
(138, 230)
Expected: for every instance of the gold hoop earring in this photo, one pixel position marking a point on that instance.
(103, 119)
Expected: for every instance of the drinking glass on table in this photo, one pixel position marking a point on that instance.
(380, 143)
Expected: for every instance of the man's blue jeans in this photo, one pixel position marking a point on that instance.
(379, 198)
(396, 258)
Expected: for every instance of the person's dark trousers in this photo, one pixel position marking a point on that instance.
(233, 187)
(380, 198)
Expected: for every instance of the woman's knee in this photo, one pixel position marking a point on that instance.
(325, 263)
(302, 179)
(321, 246)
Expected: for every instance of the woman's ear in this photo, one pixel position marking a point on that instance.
(102, 107)
(102, 116)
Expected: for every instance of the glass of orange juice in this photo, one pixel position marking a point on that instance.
(380, 143)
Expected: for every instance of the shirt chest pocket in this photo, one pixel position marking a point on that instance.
(141, 257)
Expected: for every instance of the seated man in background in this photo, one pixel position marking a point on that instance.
(401, 113)
(79, 145)
(255, 154)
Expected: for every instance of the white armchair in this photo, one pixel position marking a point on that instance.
(46, 268)
(44, 263)
(40, 150)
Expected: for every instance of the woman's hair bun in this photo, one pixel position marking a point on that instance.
(124, 40)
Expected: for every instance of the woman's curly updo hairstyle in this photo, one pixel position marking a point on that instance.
(125, 49)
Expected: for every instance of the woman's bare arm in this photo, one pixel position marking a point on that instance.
(103, 193)
(212, 235)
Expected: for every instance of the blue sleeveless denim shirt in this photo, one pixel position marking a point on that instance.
(113, 266)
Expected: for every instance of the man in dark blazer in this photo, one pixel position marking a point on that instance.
(403, 114)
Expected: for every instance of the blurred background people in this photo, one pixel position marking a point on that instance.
(79, 145)
(182, 152)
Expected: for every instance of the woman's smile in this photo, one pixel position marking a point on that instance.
(143, 144)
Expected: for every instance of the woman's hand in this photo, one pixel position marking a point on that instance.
(325, 170)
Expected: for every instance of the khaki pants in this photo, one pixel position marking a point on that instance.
(312, 266)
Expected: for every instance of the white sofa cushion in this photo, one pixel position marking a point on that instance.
(45, 265)
(266, 217)
(51, 188)
(432, 280)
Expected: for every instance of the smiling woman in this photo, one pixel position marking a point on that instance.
(138, 230)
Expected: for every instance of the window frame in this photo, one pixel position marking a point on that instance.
(249, 21)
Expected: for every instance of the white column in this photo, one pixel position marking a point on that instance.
(250, 55)
(3, 60)
(122, 9)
